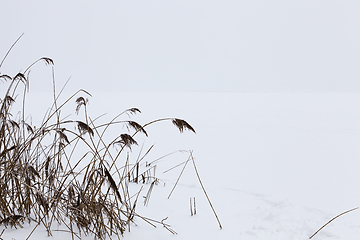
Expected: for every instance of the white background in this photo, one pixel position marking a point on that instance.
(188, 45)
(279, 155)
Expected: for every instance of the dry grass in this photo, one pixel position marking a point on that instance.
(339, 215)
(43, 183)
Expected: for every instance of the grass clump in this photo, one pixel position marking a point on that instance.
(54, 174)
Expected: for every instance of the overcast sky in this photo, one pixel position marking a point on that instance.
(187, 45)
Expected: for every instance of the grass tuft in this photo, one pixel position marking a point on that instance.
(51, 175)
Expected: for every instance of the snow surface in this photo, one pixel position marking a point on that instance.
(275, 165)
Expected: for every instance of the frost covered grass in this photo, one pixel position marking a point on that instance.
(68, 172)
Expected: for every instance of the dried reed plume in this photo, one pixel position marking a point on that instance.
(182, 124)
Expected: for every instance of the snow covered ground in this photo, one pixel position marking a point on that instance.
(275, 165)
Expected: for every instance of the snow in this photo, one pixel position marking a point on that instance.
(275, 165)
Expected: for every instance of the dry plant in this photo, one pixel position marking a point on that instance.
(191, 158)
(331, 221)
(192, 208)
(54, 174)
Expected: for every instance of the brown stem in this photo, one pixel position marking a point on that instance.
(202, 186)
(331, 221)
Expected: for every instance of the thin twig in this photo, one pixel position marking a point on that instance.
(177, 180)
(194, 207)
(332, 220)
(10, 50)
(176, 166)
(202, 186)
(167, 227)
(191, 211)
